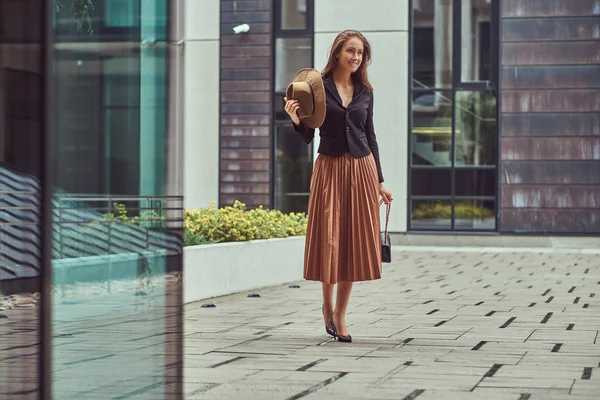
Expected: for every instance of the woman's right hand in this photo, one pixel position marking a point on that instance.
(291, 107)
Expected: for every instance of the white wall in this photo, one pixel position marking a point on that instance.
(385, 25)
(201, 125)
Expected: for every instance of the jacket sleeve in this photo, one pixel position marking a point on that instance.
(372, 139)
(307, 134)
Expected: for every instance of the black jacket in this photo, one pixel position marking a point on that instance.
(346, 130)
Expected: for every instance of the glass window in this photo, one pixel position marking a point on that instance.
(122, 13)
(431, 181)
(293, 14)
(476, 129)
(475, 215)
(114, 255)
(476, 40)
(454, 140)
(431, 215)
(293, 159)
(293, 170)
(432, 128)
(432, 44)
(292, 54)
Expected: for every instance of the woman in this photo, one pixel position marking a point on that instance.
(343, 242)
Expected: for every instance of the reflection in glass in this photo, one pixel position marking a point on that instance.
(432, 44)
(293, 170)
(432, 128)
(21, 130)
(476, 129)
(475, 214)
(431, 215)
(293, 14)
(117, 229)
(291, 55)
(476, 40)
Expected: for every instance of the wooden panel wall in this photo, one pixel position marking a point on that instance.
(246, 87)
(550, 116)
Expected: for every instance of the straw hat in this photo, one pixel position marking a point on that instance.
(307, 87)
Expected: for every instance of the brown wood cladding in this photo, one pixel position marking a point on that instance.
(556, 77)
(550, 125)
(246, 103)
(549, 8)
(545, 101)
(550, 117)
(551, 197)
(550, 149)
(551, 53)
(527, 30)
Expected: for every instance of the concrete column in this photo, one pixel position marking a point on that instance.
(385, 24)
(201, 120)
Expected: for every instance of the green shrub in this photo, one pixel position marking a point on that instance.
(235, 223)
(464, 209)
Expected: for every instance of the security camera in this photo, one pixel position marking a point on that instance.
(241, 28)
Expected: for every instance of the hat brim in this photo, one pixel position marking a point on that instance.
(314, 79)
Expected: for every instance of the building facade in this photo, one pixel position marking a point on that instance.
(91, 203)
(486, 111)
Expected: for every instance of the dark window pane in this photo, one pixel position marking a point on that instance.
(476, 215)
(431, 182)
(476, 40)
(475, 182)
(21, 167)
(431, 215)
(290, 56)
(476, 128)
(432, 44)
(293, 170)
(432, 128)
(293, 14)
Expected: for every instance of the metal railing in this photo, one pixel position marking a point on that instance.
(82, 225)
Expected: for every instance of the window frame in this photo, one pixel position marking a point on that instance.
(457, 85)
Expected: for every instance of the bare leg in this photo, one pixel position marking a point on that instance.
(327, 301)
(341, 304)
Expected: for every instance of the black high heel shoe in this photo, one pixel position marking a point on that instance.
(340, 338)
(328, 329)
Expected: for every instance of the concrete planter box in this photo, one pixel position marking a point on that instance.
(225, 268)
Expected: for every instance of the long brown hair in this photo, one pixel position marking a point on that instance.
(361, 74)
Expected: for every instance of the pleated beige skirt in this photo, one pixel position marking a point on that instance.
(343, 234)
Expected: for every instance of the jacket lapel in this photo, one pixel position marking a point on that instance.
(330, 86)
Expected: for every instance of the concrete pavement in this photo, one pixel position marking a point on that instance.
(498, 324)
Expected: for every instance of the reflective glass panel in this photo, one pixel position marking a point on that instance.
(476, 129)
(431, 215)
(291, 55)
(432, 128)
(293, 14)
(117, 218)
(476, 40)
(475, 214)
(432, 44)
(293, 170)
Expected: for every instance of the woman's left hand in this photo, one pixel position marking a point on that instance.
(385, 194)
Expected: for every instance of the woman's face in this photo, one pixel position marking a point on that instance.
(351, 55)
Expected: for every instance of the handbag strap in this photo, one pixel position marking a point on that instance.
(387, 215)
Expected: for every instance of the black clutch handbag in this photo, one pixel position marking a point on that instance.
(386, 245)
